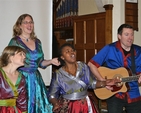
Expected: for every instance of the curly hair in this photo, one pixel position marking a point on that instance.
(60, 52)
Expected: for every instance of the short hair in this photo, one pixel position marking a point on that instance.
(120, 29)
(64, 45)
(60, 52)
(8, 52)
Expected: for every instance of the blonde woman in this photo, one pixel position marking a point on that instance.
(24, 36)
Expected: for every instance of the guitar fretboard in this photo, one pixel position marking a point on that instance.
(131, 78)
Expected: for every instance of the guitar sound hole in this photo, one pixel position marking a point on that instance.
(115, 88)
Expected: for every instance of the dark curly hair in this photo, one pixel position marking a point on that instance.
(60, 52)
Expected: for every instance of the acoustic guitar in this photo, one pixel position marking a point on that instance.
(123, 73)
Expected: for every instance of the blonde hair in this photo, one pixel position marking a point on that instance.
(8, 52)
(16, 28)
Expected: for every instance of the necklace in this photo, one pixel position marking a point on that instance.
(26, 39)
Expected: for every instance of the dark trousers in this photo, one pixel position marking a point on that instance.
(116, 105)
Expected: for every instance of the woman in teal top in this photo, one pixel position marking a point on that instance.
(24, 36)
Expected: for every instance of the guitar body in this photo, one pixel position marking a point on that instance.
(104, 93)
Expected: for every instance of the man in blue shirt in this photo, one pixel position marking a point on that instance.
(116, 55)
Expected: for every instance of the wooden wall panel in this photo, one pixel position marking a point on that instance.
(80, 54)
(100, 30)
(90, 53)
(131, 14)
(100, 34)
(92, 33)
(80, 34)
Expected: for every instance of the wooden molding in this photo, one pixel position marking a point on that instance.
(108, 27)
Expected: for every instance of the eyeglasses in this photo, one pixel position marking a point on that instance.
(25, 22)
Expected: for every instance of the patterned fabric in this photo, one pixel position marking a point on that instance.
(10, 110)
(77, 106)
(13, 98)
(37, 91)
(63, 83)
(113, 56)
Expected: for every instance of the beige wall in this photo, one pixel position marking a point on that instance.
(41, 11)
(118, 16)
(90, 6)
(87, 7)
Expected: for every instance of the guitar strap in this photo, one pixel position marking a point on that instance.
(133, 66)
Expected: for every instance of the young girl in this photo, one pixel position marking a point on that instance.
(13, 97)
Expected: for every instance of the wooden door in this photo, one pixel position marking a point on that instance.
(89, 35)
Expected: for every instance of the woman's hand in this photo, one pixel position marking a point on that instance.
(55, 61)
(55, 107)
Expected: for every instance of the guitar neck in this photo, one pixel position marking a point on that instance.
(131, 78)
